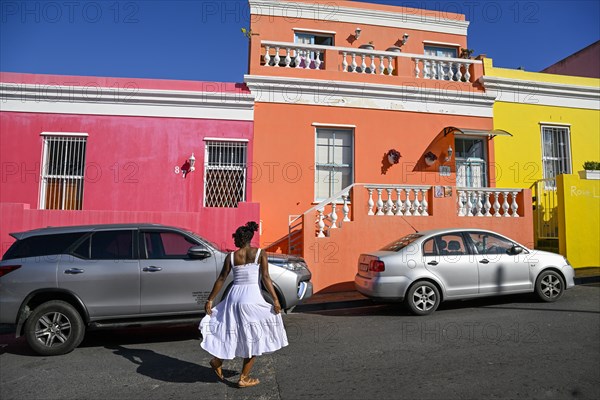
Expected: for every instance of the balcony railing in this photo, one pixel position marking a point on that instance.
(364, 61)
(488, 202)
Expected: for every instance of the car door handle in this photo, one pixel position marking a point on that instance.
(484, 261)
(152, 269)
(74, 271)
(433, 262)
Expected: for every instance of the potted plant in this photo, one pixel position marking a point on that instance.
(368, 46)
(430, 158)
(592, 169)
(394, 49)
(466, 53)
(393, 156)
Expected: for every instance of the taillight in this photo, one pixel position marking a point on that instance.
(5, 269)
(377, 266)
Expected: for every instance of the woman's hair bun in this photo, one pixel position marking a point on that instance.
(253, 226)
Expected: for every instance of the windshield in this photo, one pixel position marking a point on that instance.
(401, 243)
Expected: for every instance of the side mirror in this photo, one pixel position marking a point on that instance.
(198, 252)
(515, 250)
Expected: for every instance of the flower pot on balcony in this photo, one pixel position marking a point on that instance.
(592, 174)
(394, 49)
(367, 46)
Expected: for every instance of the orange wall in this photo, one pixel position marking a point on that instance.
(284, 153)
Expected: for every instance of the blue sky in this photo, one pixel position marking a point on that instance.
(201, 40)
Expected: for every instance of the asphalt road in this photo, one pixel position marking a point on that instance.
(506, 347)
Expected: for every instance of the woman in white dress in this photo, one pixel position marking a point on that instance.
(243, 324)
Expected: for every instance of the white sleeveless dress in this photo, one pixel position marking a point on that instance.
(243, 324)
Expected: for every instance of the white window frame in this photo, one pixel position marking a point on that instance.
(234, 164)
(470, 161)
(564, 159)
(68, 152)
(332, 128)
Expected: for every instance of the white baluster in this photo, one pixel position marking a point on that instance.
(353, 64)
(398, 201)
(333, 216)
(370, 202)
(424, 203)
(267, 56)
(426, 69)
(390, 67)
(307, 59)
(345, 208)
(379, 202)
(458, 73)
(344, 62)
(479, 204)
(514, 206)
(407, 202)
(389, 204)
(276, 59)
(497, 204)
(318, 60)
(417, 70)
(320, 223)
(450, 72)
(381, 67)
(416, 204)
(505, 205)
(469, 203)
(372, 67)
(487, 205)
(297, 58)
(363, 66)
(434, 69)
(467, 73)
(288, 59)
(461, 204)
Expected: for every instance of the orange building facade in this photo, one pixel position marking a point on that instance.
(369, 121)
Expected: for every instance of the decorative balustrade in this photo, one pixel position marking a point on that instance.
(398, 200)
(488, 202)
(364, 61)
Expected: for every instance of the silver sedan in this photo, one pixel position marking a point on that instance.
(425, 268)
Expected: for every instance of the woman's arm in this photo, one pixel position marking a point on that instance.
(218, 284)
(266, 278)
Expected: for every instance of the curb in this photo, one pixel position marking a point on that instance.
(586, 280)
(335, 305)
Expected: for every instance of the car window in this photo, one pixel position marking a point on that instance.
(42, 245)
(112, 245)
(446, 244)
(166, 245)
(487, 243)
(401, 243)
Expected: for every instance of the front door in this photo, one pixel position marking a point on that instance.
(471, 162)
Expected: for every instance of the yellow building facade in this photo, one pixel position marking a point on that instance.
(555, 125)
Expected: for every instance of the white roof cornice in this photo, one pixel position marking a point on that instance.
(333, 12)
(284, 90)
(511, 90)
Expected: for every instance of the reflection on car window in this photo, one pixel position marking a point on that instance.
(487, 243)
(112, 245)
(43, 245)
(401, 243)
(442, 245)
(165, 245)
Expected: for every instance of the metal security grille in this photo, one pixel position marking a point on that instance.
(63, 167)
(225, 173)
(556, 153)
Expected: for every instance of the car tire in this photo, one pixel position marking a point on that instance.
(549, 286)
(54, 328)
(423, 298)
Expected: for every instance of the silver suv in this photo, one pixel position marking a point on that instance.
(56, 282)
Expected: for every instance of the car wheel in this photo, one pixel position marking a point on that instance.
(423, 298)
(550, 286)
(54, 328)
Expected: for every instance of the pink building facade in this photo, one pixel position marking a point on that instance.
(78, 150)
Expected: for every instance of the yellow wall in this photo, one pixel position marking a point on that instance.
(579, 220)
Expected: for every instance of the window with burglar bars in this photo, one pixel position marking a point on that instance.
(556, 153)
(63, 165)
(225, 169)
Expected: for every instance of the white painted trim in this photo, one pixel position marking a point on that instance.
(554, 123)
(527, 92)
(441, 43)
(139, 102)
(323, 125)
(332, 12)
(399, 97)
(308, 30)
(64, 134)
(217, 139)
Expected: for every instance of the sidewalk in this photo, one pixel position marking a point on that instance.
(336, 300)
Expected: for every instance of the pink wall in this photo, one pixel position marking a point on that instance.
(582, 63)
(130, 161)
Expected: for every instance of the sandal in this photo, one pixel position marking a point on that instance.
(246, 381)
(217, 368)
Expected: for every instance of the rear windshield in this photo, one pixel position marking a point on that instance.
(401, 243)
(43, 245)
